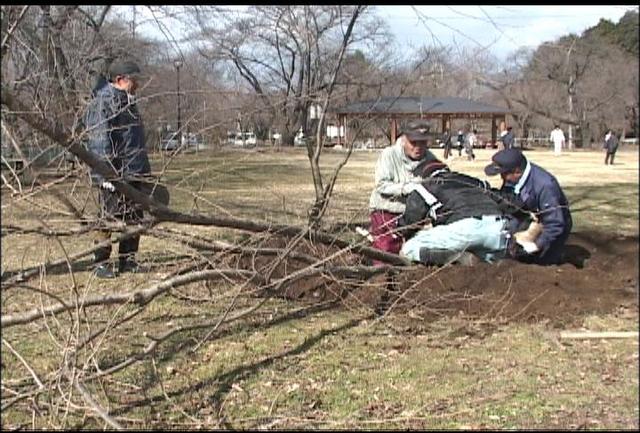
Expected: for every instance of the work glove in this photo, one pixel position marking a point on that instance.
(516, 251)
(409, 187)
(108, 186)
(529, 247)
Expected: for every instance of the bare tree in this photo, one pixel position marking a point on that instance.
(46, 82)
(285, 54)
(574, 82)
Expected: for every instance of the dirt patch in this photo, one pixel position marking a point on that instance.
(600, 274)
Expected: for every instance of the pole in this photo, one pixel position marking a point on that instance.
(179, 135)
(570, 142)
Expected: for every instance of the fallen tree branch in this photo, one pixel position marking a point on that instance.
(144, 296)
(584, 335)
(161, 212)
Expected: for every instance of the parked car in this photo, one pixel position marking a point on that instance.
(192, 139)
(170, 142)
(245, 139)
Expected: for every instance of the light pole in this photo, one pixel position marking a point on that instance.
(178, 65)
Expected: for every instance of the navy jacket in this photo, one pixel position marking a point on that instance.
(611, 144)
(540, 193)
(116, 134)
(508, 140)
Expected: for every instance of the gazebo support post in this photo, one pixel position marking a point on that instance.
(494, 135)
(394, 130)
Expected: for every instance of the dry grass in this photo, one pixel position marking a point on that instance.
(331, 368)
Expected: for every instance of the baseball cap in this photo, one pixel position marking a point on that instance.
(504, 161)
(123, 67)
(417, 130)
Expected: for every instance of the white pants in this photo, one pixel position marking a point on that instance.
(485, 237)
(557, 147)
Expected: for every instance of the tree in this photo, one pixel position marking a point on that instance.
(46, 82)
(285, 54)
(581, 83)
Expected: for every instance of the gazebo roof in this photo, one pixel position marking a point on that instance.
(421, 105)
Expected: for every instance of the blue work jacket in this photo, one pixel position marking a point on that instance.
(116, 134)
(538, 191)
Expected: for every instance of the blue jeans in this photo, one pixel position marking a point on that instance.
(486, 237)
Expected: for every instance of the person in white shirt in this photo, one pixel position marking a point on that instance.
(470, 141)
(557, 137)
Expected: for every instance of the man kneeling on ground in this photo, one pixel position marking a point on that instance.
(534, 190)
(466, 221)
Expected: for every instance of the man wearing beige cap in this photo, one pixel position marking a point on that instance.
(394, 180)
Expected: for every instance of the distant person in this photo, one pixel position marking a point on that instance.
(470, 141)
(508, 139)
(557, 138)
(611, 146)
(534, 190)
(70, 159)
(394, 180)
(460, 141)
(116, 136)
(446, 139)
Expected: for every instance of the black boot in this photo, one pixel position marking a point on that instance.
(128, 264)
(104, 271)
(442, 257)
(126, 255)
(103, 268)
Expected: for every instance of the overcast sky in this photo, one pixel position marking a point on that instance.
(502, 29)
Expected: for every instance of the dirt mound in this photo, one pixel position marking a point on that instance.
(599, 275)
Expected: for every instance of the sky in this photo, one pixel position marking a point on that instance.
(501, 29)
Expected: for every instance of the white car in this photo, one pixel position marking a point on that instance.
(245, 139)
(170, 142)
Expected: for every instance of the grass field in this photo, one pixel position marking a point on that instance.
(324, 366)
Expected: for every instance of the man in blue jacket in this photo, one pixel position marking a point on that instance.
(116, 135)
(535, 190)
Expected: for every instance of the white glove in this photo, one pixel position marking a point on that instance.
(364, 233)
(409, 187)
(108, 186)
(529, 247)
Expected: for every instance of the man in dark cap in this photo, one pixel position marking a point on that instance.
(394, 180)
(533, 189)
(116, 136)
(466, 222)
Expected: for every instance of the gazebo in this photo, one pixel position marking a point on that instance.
(395, 109)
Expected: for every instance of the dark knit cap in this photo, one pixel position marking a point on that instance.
(123, 67)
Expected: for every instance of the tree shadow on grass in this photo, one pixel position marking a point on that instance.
(225, 381)
(83, 265)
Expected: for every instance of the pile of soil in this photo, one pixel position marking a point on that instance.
(599, 275)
